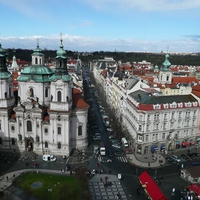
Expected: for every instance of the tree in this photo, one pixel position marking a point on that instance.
(66, 192)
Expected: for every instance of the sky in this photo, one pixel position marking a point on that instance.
(101, 25)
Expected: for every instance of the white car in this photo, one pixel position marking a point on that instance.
(48, 157)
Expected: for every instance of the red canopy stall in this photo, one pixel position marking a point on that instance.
(150, 187)
(195, 188)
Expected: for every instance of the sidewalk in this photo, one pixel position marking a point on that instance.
(146, 161)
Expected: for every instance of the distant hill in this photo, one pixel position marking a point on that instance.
(155, 58)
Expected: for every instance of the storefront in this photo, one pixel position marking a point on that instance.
(178, 145)
(162, 147)
(150, 187)
(185, 144)
(154, 148)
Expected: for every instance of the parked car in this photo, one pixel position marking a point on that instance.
(170, 160)
(184, 157)
(196, 155)
(176, 158)
(48, 157)
(96, 137)
(116, 146)
(119, 152)
(191, 156)
(195, 164)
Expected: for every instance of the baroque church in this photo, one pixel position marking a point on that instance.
(47, 114)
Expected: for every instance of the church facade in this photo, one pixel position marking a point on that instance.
(48, 114)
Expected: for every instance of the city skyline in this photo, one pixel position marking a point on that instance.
(106, 25)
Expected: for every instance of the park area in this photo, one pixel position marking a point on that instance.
(53, 187)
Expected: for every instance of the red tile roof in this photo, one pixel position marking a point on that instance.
(78, 101)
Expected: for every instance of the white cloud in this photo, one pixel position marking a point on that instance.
(149, 5)
(80, 43)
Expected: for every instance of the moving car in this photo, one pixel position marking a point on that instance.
(176, 158)
(48, 157)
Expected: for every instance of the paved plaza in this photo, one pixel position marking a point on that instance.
(100, 190)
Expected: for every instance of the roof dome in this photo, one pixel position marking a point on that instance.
(166, 64)
(37, 73)
(37, 51)
(2, 51)
(61, 53)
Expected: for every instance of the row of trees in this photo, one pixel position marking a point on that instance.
(155, 58)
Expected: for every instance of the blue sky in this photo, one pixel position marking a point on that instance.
(107, 25)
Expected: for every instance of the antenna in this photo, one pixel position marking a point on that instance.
(61, 36)
(38, 41)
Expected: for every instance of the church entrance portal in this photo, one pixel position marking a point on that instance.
(29, 145)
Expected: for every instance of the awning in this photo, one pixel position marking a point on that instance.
(154, 148)
(162, 146)
(185, 143)
(150, 187)
(195, 188)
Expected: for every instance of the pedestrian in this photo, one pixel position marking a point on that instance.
(7, 178)
(101, 179)
(149, 164)
(109, 171)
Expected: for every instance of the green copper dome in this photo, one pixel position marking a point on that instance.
(4, 73)
(37, 51)
(61, 53)
(37, 73)
(166, 64)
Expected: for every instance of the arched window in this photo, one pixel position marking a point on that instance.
(13, 141)
(60, 64)
(31, 92)
(36, 61)
(29, 126)
(59, 145)
(46, 92)
(59, 96)
(46, 144)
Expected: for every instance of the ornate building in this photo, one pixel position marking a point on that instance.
(48, 115)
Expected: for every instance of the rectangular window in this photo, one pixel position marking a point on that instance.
(59, 130)
(153, 137)
(140, 127)
(147, 138)
(147, 127)
(164, 125)
(156, 137)
(79, 130)
(163, 136)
